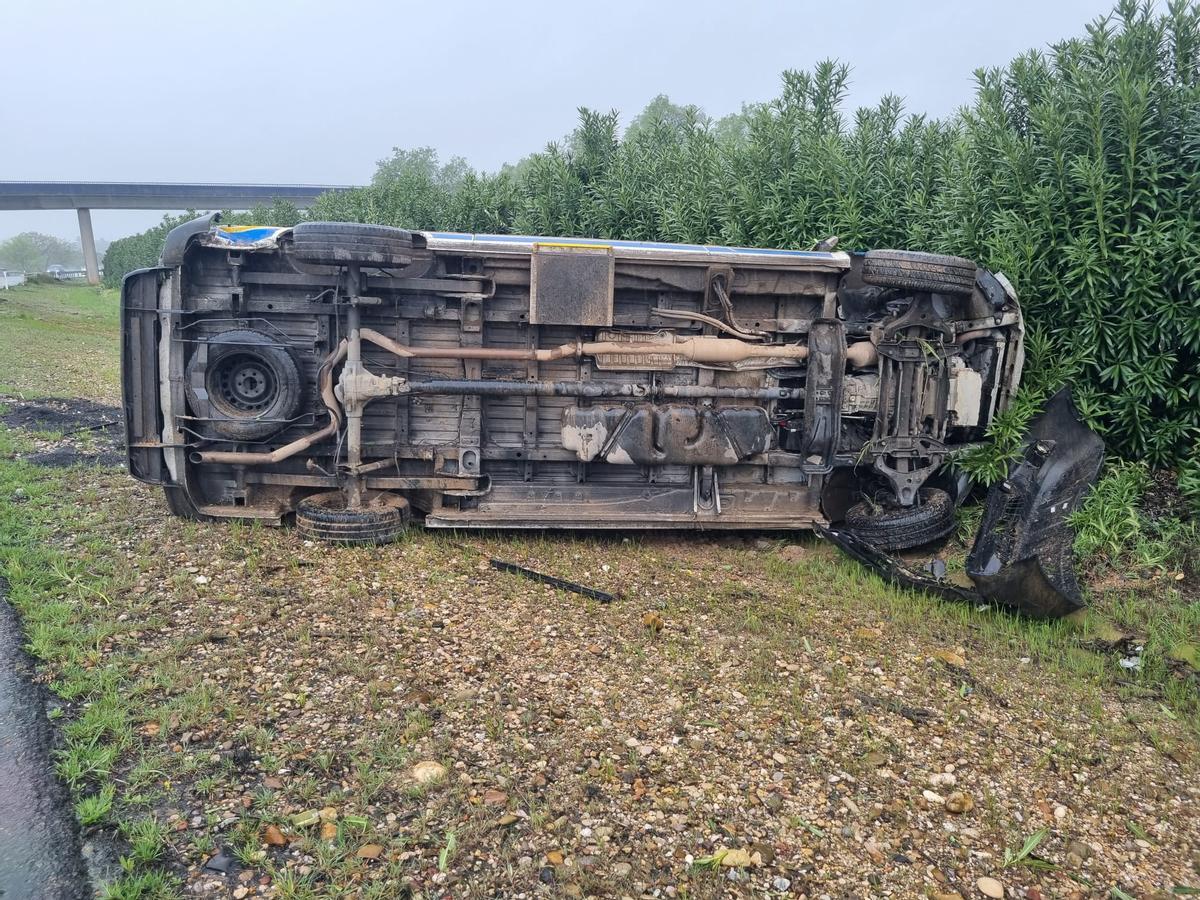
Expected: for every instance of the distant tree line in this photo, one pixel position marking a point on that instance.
(33, 252)
(1076, 171)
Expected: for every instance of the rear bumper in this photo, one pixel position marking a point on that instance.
(141, 331)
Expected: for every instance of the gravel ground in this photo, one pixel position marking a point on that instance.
(752, 716)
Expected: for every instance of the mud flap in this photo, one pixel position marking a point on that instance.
(1023, 554)
(1022, 559)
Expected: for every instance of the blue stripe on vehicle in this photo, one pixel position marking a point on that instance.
(247, 235)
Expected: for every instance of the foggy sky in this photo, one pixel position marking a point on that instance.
(316, 91)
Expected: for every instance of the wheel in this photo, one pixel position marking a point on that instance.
(325, 517)
(889, 526)
(919, 271)
(252, 385)
(340, 243)
(181, 505)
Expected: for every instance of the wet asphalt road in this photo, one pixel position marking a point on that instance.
(39, 846)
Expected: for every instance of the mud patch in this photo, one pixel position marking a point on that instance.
(68, 432)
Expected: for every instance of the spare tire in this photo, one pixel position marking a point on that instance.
(886, 525)
(343, 243)
(252, 385)
(382, 517)
(912, 271)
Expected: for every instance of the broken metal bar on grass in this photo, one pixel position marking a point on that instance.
(892, 570)
(918, 715)
(593, 593)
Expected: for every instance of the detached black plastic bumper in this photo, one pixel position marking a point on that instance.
(1022, 558)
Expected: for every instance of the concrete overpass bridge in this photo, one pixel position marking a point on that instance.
(84, 196)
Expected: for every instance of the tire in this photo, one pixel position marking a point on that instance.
(343, 243)
(252, 385)
(181, 505)
(888, 526)
(324, 517)
(930, 272)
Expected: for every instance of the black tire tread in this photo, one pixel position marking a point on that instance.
(390, 243)
(902, 528)
(322, 517)
(342, 243)
(356, 230)
(909, 270)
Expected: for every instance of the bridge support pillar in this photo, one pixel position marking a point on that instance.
(87, 241)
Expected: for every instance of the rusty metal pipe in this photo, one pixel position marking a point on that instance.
(250, 458)
(862, 355)
(972, 335)
(325, 379)
(239, 458)
(708, 320)
(593, 389)
(353, 408)
(695, 349)
(406, 352)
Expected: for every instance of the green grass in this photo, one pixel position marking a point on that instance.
(72, 602)
(65, 600)
(1076, 650)
(1113, 527)
(60, 340)
(94, 809)
(156, 885)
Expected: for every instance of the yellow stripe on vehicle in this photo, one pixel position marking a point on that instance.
(538, 246)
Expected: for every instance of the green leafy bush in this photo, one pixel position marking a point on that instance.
(139, 250)
(1084, 165)
(1112, 526)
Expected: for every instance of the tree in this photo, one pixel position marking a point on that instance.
(32, 251)
(421, 164)
(662, 113)
(734, 128)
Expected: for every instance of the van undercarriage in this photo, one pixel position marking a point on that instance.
(353, 375)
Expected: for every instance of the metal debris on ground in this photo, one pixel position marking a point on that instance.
(1021, 559)
(593, 593)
